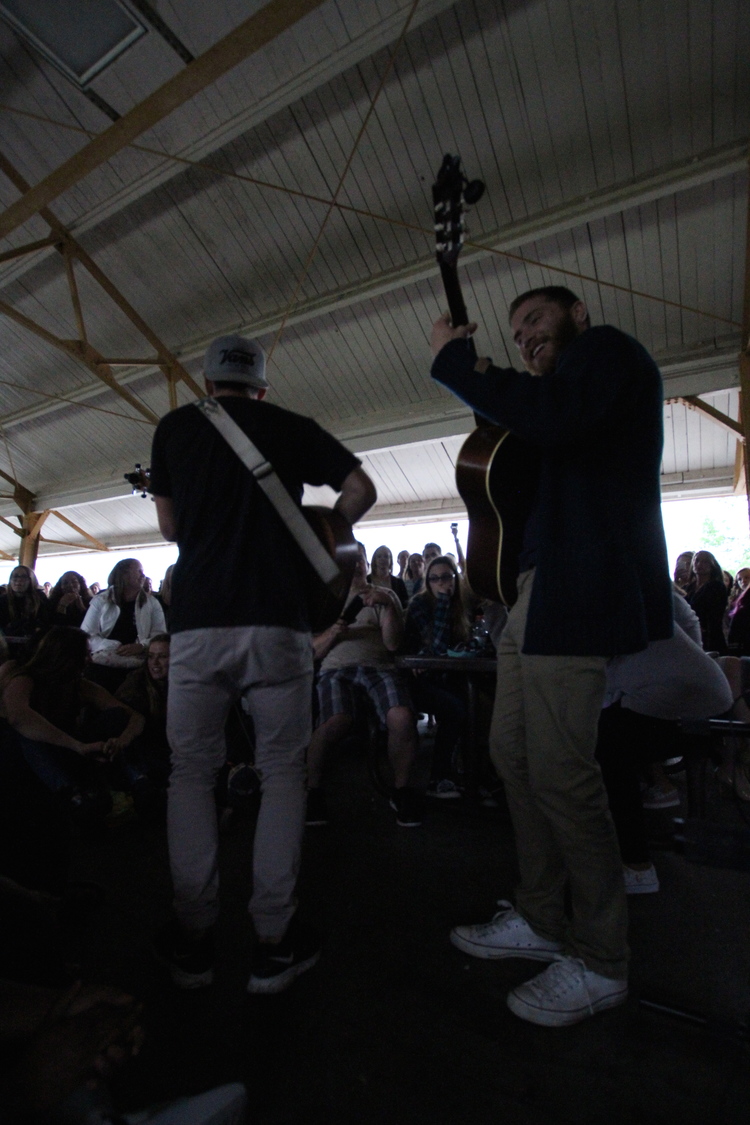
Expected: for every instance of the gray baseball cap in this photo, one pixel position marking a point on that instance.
(235, 359)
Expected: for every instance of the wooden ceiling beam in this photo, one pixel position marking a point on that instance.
(96, 542)
(74, 295)
(256, 32)
(24, 497)
(28, 248)
(692, 402)
(12, 526)
(67, 245)
(80, 351)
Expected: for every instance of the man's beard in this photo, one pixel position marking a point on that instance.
(564, 334)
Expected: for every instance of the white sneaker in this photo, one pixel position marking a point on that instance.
(660, 797)
(640, 882)
(566, 993)
(445, 789)
(507, 935)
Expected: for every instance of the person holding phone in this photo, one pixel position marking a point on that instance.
(357, 652)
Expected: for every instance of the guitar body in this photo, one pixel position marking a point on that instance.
(325, 602)
(496, 476)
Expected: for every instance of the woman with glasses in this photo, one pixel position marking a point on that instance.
(24, 612)
(436, 621)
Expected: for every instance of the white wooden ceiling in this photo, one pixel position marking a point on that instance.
(613, 139)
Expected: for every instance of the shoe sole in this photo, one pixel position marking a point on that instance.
(546, 1018)
(184, 980)
(493, 953)
(405, 823)
(269, 986)
(650, 889)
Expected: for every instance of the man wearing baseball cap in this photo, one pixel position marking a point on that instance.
(240, 629)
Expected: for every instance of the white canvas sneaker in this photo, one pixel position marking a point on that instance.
(566, 993)
(640, 882)
(507, 935)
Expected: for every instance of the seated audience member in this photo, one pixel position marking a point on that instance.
(738, 640)
(121, 621)
(683, 572)
(402, 558)
(381, 565)
(95, 589)
(34, 831)
(648, 692)
(708, 600)
(435, 622)
(24, 611)
(360, 655)
(69, 600)
(146, 760)
(165, 593)
(66, 726)
(741, 583)
(734, 768)
(59, 1046)
(431, 551)
(414, 575)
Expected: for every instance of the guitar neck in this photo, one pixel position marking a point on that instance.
(452, 287)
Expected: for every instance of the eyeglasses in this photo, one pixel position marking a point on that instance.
(446, 577)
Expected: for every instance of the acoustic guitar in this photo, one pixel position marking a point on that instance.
(324, 602)
(496, 472)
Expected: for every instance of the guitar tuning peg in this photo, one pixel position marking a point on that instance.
(473, 191)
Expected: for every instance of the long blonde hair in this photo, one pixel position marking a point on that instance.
(116, 583)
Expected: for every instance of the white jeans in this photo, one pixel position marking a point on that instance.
(271, 669)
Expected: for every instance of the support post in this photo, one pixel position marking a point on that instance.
(745, 355)
(32, 525)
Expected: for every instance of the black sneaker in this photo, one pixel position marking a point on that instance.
(188, 959)
(407, 804)
(317, 808)
(275, 967)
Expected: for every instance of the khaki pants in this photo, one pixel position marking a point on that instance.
(271, 670)
(543, 738)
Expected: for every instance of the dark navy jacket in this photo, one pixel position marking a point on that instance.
(602, 584)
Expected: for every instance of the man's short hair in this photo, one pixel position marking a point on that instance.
(428, 545)
(235, 388)
(562, 296)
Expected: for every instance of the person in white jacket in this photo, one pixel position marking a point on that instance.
(123, 618)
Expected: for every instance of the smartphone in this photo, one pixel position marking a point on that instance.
(454, 528)
(350, 613)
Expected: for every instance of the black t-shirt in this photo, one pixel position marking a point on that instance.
(125, 630)
(238, 564)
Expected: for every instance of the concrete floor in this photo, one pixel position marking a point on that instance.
(395, 1025)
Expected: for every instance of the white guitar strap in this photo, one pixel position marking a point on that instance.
(265, 474)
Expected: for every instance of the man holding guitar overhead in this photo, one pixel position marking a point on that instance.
(590, 403)
(241, 629)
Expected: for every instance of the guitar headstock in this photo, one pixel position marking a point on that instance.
(140, 481)
(452, 193)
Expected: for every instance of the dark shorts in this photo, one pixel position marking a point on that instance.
(386, 687)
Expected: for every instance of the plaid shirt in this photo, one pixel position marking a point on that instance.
(432, 628)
